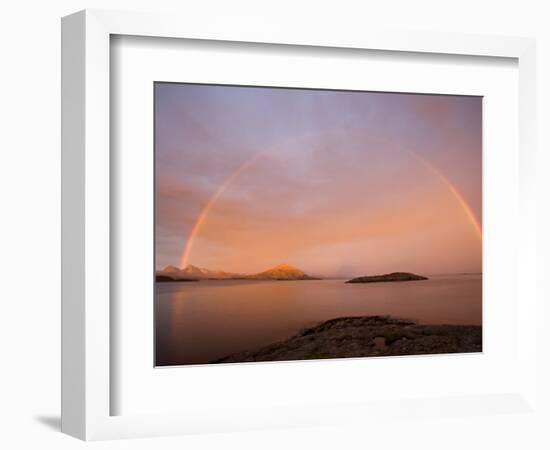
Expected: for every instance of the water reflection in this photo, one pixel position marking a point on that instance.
(199, 322)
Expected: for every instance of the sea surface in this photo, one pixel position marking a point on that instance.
(197, 322)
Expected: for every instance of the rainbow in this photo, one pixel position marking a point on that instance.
(455, 192)
(184, 258)
(211, 201)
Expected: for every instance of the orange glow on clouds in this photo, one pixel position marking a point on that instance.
(248, 164)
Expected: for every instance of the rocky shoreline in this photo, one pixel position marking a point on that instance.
(366, 336)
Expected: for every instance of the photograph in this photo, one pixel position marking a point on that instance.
(298, 224)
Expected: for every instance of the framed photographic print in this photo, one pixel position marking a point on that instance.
(340, 184)
(253, 217)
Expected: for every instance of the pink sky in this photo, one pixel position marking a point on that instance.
(336, 183)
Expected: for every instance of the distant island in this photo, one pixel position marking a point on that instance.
(355, 337)
(282, 272)
(394, 276)
(166, 278)
(194, 273)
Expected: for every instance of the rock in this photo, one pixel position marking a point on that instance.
(394, 276)
(365, 336)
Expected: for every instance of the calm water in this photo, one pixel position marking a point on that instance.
(200, 321)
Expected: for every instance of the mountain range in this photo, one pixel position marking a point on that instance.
(190, 272)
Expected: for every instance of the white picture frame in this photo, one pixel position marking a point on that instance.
(86, 221)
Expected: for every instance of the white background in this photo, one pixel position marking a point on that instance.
(30, 75)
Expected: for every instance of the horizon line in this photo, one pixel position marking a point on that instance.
(468, 272)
